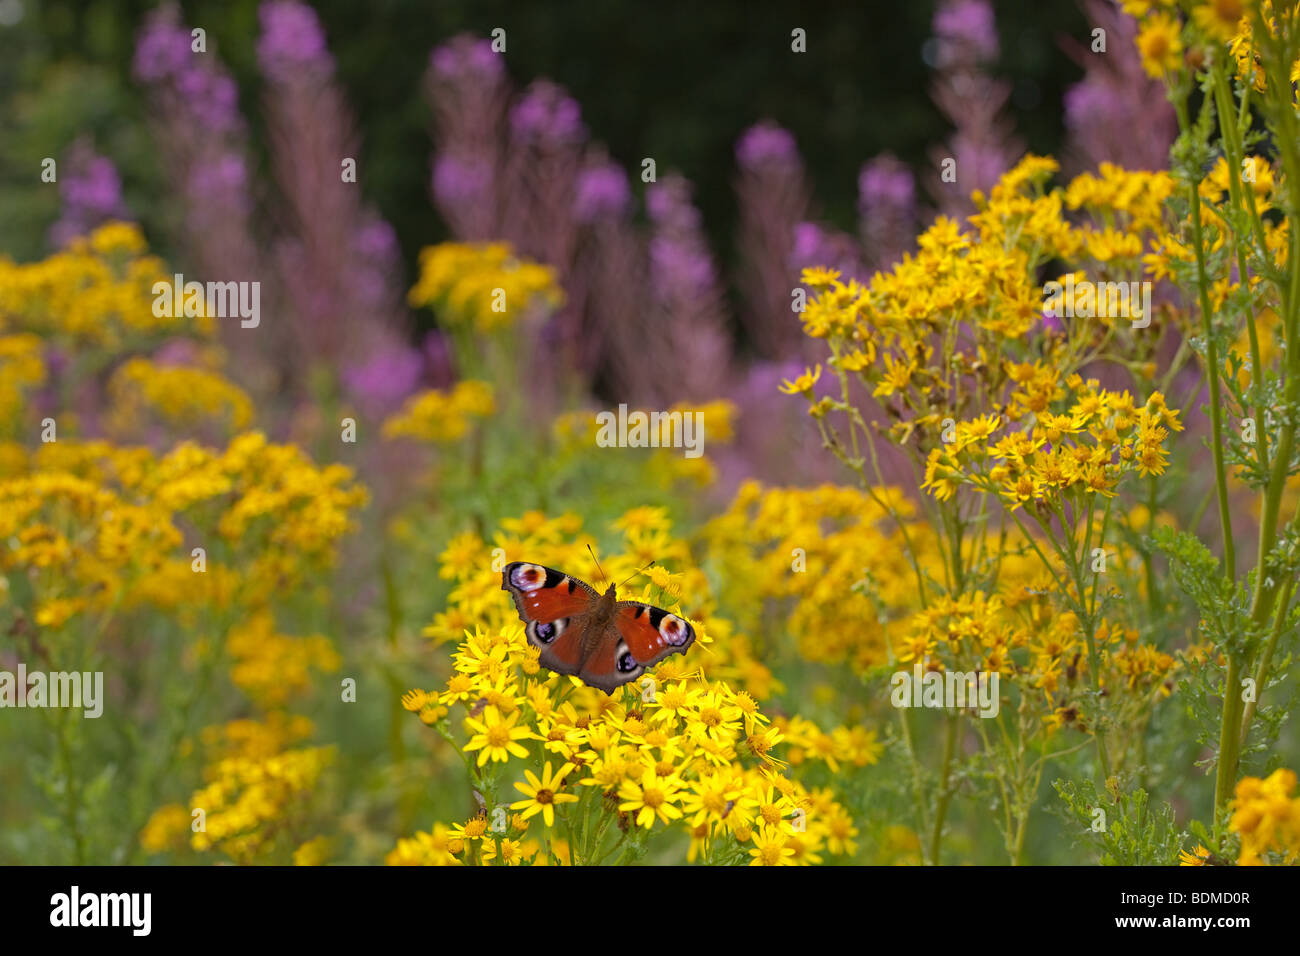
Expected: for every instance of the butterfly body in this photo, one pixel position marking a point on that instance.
(596, 637)
(598, 618)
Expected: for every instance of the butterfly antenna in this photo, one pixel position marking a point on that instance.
(597, 560)
(635, 573)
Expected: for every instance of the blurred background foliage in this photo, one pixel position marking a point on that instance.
(677, 81)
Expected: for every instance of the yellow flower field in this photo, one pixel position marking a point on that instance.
(297, 592)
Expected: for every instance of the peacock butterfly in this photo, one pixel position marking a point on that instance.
(605, 642)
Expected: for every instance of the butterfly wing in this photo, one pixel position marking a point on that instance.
(554, 608)
(557, 611)
(636, 638)
(610, 665)
(643, 635)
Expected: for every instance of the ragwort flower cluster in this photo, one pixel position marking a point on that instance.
(126, 540)
(684, 763)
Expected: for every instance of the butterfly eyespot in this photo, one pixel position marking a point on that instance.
(546, 632)
(528, 577)
(674, 630)
(627, 663)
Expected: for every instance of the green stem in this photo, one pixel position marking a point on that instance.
(945, 791)
(1266, 659)
(1213, 370)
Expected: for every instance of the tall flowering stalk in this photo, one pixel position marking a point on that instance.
(91, 193)
(1237, 254)
(547, 142)
(815, 243)
(337, 259)
(1022, 459)
(965, 42)
(467, 88)
(687, 310)
(773, 193)
(547, 138)
(334, 272)
(204, 143)
(1116, 99)
(611, 265)
(888, 211)
(518, 168)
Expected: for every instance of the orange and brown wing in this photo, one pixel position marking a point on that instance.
(609, 667)
(651, 633)
(553, 607)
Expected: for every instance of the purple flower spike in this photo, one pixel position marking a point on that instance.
(766, 143)
(91, 192)
(385, 378)
(602, 193)
(966, 30)
(886, 183)
(467, 58)
(162, 51)
(456, 181)
(292, 40)
(548, 116)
